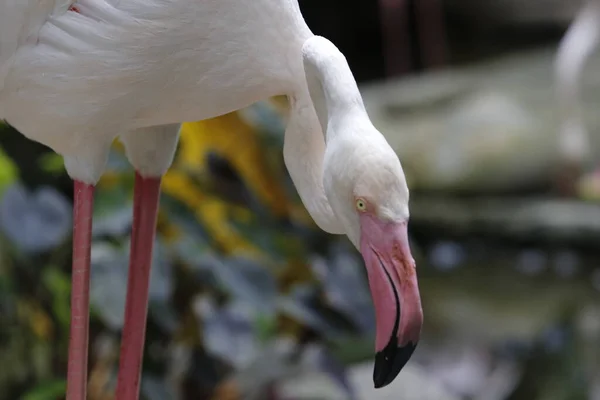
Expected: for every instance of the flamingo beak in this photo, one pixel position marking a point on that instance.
(395, 292)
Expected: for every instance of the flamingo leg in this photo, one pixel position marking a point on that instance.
(80, 291)
(145, 210)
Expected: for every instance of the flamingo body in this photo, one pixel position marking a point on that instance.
(75, 76)
(107, 70)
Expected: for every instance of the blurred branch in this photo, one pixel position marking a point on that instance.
(526, 219)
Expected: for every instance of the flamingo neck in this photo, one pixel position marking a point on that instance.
(332, 87)
(330, 94)
(303, 152)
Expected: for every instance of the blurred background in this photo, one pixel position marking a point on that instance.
(250, 300)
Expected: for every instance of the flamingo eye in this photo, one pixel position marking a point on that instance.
(361, 205)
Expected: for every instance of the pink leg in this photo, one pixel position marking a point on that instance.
(80, 291)
(145, 210)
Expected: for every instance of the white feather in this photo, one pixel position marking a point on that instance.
(20, 22)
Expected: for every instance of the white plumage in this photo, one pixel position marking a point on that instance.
(20, 21)
(120, 67)
(76, 76)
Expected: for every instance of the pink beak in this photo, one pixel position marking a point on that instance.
(395, 292)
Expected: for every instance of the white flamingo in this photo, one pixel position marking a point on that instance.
(74, 76)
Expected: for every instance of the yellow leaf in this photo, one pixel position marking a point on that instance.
(239, 143)
(210, 211)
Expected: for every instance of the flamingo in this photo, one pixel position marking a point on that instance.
(76, 75)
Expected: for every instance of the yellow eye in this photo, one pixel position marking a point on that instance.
(361, 205)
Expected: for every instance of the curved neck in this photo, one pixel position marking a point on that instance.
(330, 82)
(330, 90)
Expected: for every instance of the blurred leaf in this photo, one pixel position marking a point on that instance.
(8, 171)
(192, 252)
(113, 204)
(249, 282)
(109, 282)
(59, 285)
(324, 360)
(164, 315)
(161, 280)
(244, 279)
(228, 332)
(267, 118)
(37, 221)
(52, 163)
(113, 212)
(221, 136)
(299, 305)
(346, 288)
(47, 391)
(182, 216)
(154, 388)
(274, 362)
(352, 349)
(265, 327)
(268, 237)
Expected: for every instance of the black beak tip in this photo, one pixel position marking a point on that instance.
(390, 361)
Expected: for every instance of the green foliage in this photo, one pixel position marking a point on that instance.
(47, 391)
(58, 284)
(8, 171)
(52, 163)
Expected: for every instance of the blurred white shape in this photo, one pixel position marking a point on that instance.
(446, 255)
(574, 50)
(464, 370)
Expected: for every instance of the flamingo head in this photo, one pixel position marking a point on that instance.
(366, 187)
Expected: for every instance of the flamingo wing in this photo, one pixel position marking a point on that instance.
(20, 21)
